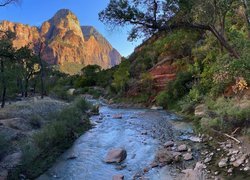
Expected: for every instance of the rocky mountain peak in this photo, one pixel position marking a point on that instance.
(68, 44)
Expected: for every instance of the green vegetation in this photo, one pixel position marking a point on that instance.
(46, 145)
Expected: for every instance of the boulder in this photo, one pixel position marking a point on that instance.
(118, 177)
(169, 144)
(164, 157)
(116, 155)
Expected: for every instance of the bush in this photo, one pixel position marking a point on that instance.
(36, 121)
(4, 145)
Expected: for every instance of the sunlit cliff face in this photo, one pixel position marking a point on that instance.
(66, 42)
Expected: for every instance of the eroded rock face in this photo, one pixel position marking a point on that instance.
(66, 42)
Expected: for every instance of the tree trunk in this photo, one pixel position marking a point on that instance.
(224, 42)
(4, 85)
(42, 78)
(26, 87)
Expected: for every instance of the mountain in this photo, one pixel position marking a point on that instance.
(67, 43)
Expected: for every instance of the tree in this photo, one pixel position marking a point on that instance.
(151, 16)
(6, 54)
(30, 65)
(7, 2)
(121, 77)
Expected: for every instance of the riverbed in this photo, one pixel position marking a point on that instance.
(139, 131)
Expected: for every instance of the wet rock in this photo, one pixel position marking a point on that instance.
(195, 139)
(117, 116)
(223, 162)
(156, 107)
(118, 177)
(121, 167)
(240, 160)
(154, 164)
(169, 144)
(164, 157)
(182, 147)
(116, 155)
(144, 133)
(71, 157)
(188, 156)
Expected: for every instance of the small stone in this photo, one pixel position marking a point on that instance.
(169, 144)
(230, 170)
(118, 177)
(210, 138)
(246, 168)
(189, 150)
(228, 145)
(223, 162)
(154, 164)
(195, 139)
(208, 159)
(187, 156)
(232, 159)
(216, 173)
(182, 147)
(117, 116)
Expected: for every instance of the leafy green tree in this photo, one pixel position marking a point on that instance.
(7, 53)
(121, 77)
(30, 65)
(151, 16)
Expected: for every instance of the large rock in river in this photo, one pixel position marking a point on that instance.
(116, 155)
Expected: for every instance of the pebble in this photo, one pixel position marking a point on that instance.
(187, 156)
(223, 162)
(182, 147)
(230, 170)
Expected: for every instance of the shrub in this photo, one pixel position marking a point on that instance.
(36, 121)
(4, 145)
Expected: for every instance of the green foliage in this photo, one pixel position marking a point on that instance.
(36, 121)
(4, 145)
(49, 143)
(121, 77)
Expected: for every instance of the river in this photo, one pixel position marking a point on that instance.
(139, 131)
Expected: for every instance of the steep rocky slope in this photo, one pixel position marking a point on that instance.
(67, 44)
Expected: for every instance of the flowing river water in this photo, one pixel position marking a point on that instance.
(139, 131)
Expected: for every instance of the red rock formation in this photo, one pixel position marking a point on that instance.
(66, 41)
(163, 72)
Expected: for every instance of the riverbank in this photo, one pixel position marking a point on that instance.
(34, 132)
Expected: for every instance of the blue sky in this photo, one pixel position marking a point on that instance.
(35, 12)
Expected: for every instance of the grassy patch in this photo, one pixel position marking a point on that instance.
(46, 145)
